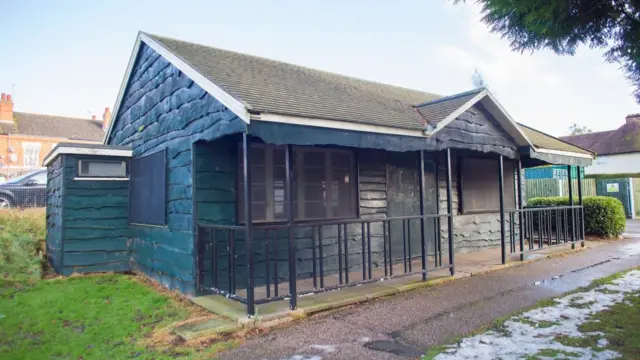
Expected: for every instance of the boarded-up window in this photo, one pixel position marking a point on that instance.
(480, 188)
(323, 183)
(148, 188)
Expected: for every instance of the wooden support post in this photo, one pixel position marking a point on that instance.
(450, 212)
(423, 249)
(246, 169)
(503, 245)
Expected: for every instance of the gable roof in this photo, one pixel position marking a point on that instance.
(625, 139)
(282, 88)
(435, 111)
(545, 141)
(267, 90)
(54, 126)
(588, 140)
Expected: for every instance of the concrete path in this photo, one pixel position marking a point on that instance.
(406, 325)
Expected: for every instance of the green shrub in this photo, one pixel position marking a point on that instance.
(603, 215)
(21, 232)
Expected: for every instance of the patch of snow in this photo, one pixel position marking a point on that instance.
(519, 339)
(324, 348)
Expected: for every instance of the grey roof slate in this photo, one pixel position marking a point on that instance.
(54, 126)
(589, 140)
(281, 88)
(276, 87)
(437, 110)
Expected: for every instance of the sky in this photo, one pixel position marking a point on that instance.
(69, 57)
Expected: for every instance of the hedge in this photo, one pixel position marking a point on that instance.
(603, 215)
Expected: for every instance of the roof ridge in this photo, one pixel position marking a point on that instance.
(302, 67)
(56, 116)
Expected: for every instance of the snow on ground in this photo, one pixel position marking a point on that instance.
(536, 330)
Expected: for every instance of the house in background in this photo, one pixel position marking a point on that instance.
(617, 167)
(226, 173)
(25, 138)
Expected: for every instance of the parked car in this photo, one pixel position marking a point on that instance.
(28, 190)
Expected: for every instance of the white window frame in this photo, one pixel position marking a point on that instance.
(80, 175)
(27, 147)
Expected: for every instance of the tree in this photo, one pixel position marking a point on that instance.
(576, 129)
(563, 25)
(477, 80)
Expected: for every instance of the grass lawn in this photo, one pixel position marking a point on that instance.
(94, 317)
(599, 321)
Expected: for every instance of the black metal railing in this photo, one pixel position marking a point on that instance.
(325, 255)
(536, 228)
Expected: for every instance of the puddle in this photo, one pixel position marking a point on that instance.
(395, 348)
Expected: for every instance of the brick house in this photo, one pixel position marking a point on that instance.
(25, 138)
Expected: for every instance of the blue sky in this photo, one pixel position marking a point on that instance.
(69, 57)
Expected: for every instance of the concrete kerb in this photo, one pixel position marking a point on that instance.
(307, 305)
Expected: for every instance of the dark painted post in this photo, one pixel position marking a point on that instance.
(503, 245)
(520, 207)
(246, 169)
(581, 203)
(573, 212)
(423, 249)
(293, 301)
(450, 212)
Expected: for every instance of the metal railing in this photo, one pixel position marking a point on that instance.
(536, 228)
(292, 260)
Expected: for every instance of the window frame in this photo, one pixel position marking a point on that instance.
(31, 145)
(296, 149)
(79, 175)
(461, 187)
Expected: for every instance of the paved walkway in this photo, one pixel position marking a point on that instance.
(406, 325)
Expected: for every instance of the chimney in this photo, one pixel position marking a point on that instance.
(106, 118)
(6, 108)
(633, 117)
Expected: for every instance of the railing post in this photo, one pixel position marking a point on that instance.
(248, 221)
(450, 212)
(422, 239)
(503, 245)
(581, 203)
(293, 301)
(520, 207)
(573, 211)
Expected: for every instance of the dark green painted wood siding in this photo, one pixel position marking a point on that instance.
(163, 108)
(95, 221)
(54, 214)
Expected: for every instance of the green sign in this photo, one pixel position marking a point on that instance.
(613, 188)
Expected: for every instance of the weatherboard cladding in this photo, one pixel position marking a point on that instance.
(163, 108)
(54, 214)
(95, 221)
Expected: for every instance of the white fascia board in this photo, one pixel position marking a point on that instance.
(335, 124)
(501, 112)
(443, 123)
(123, 87)
(564, 153)
(86, 151)
(236, 106)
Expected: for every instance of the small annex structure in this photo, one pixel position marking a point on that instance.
(261, 180)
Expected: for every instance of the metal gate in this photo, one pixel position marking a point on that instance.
(616, 188)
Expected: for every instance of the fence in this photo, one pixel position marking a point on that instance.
(556, 187)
